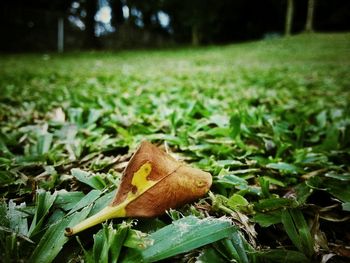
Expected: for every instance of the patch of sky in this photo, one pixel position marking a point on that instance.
(137, 14)
(164, 19)
(103, 18)
(126, 11)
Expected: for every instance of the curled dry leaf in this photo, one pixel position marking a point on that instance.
(153, 182)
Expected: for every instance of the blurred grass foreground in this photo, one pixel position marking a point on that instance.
(270, 120)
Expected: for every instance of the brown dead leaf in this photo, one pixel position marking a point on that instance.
(152, 183)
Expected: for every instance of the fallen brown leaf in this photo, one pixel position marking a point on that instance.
(152, 183)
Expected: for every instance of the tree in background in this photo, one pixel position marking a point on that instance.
(144, 14)
(32, 24)
(289, 17)
(91, 40)
(193, 20)
(117, 12)
(310, 16)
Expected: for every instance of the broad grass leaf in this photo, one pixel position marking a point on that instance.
(137, 240)
(227, 249)
(237, 202)
(297, 230)
(166, 137)
(90, 198)
(101, 202)
(268, 218)
(44, 201)
(108, 243)
(184, 235)
(6, 177)
(273, 203)
(231, 163)
(304, 231)
(235, 124)
(16, 218)
(75, 116)
(322, 119)
(95, 181)
(53, 240)
(303, 192)
(331, 142)
(346, 206)
(340, 190)
(116, 240)
(340, 177)
(284, 167)
(232, 180)
(291, 229)
(238, 246)
(93, 116)
(335, 185)
(281, 255)
(44, 143)
(210, 255)
(67, 200)
(265, 187)
(274, 181)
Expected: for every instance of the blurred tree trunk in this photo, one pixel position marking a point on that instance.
(289, 17)
(310, 16)
(195, 35)
(91, 40)
(117, 13)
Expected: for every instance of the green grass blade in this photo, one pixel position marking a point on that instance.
(117, 239)
(184, 235)
(268, 218)
(238, 243)
(98, 252)
(102, 202)
(290, 228)
(44, 143)
(210, 255)
(231, 251)
(53, 240)
(298, 231)
(95, 181)
(108, 243)
(137, 239)
(17, 220)
(304, 232)
(43, 204)
(67, 200)
(281, 255)
(346, 206)
(91, 197)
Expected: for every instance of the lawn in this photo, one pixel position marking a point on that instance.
(270, 120)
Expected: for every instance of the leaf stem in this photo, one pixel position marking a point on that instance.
(108, 212)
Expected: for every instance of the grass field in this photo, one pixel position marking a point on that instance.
(270, 120)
